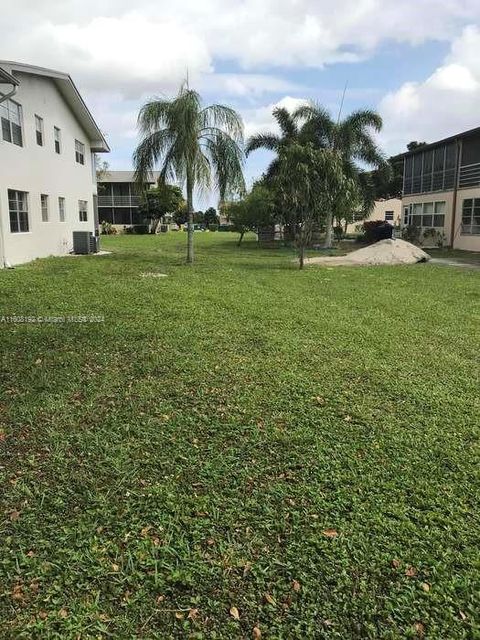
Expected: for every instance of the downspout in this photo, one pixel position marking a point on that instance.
(455, 190)
(5, 264)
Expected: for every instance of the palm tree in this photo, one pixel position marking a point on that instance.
(289, 134)
(278, 143)
(352, 140)
(194, 145)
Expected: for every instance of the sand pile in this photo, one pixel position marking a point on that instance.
(382, 252)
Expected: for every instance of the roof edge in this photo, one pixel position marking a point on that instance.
(98, 142)
(431, 145)
(7, 78)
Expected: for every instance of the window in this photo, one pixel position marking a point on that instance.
(79, 152)
(39, 130)
(430, 170)
(18, 209)
(389, 215)
(44, 206)
(427, 215)
(471, 217)
(57, 135)
(439, 217)
(61, 209)
(11, 117)
(82, 210)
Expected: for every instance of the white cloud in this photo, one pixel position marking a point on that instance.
(260, 120)
(104, 42)
(118, 55)
(446, 103)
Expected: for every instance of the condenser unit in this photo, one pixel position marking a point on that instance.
(82, 242)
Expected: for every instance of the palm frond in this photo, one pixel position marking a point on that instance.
(154, 148)
(363, 119)
(226, 118)
(226, 157)
(286, 122)
(268, 141)
(153, 115)
(317, 124)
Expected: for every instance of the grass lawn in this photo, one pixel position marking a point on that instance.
(298, 450)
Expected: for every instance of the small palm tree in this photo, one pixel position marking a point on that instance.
(352, 140)
(197, 146)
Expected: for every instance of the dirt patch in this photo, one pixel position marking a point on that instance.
(384, 252)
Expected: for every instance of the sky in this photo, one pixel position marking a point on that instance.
(417, 62)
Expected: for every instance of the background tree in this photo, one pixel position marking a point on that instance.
(198, 217)
(156, 202)
(195, 146)
(411, 146)
(180, 217)
(309, 180)
(101, 168)
(254, 212)
(210, 217)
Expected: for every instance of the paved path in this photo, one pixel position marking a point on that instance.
(450, 262)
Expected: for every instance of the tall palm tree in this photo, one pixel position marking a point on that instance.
(289, 134)
(197, 146)
(352, 140)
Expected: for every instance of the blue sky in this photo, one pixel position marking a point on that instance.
(416, 62)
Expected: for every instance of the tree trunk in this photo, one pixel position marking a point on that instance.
(328, 231)
(299, 238)
(190, 221)
(242, 233)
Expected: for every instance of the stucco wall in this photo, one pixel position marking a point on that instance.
(437, 196)
(465, 242)
(39, 170)
(378, 213)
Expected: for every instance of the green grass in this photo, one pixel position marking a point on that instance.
(188, 454)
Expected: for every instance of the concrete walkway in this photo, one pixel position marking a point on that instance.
(450, 262)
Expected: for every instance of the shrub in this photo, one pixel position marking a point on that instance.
(411, 234)
(375, 230)
(141, 228)
(107, 228)
(338, 232)
(213, 227)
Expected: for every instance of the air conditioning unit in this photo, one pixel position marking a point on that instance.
(94, 244)
(82, 242)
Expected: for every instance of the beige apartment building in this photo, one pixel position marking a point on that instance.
(389, 209)
(441, 191)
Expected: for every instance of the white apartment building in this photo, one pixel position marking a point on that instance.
(48, 139)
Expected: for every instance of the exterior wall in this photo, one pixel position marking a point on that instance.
(465, 242)
(39, 170)
(378, 213)
(438, 196)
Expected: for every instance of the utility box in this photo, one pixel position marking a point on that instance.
(82, 242)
